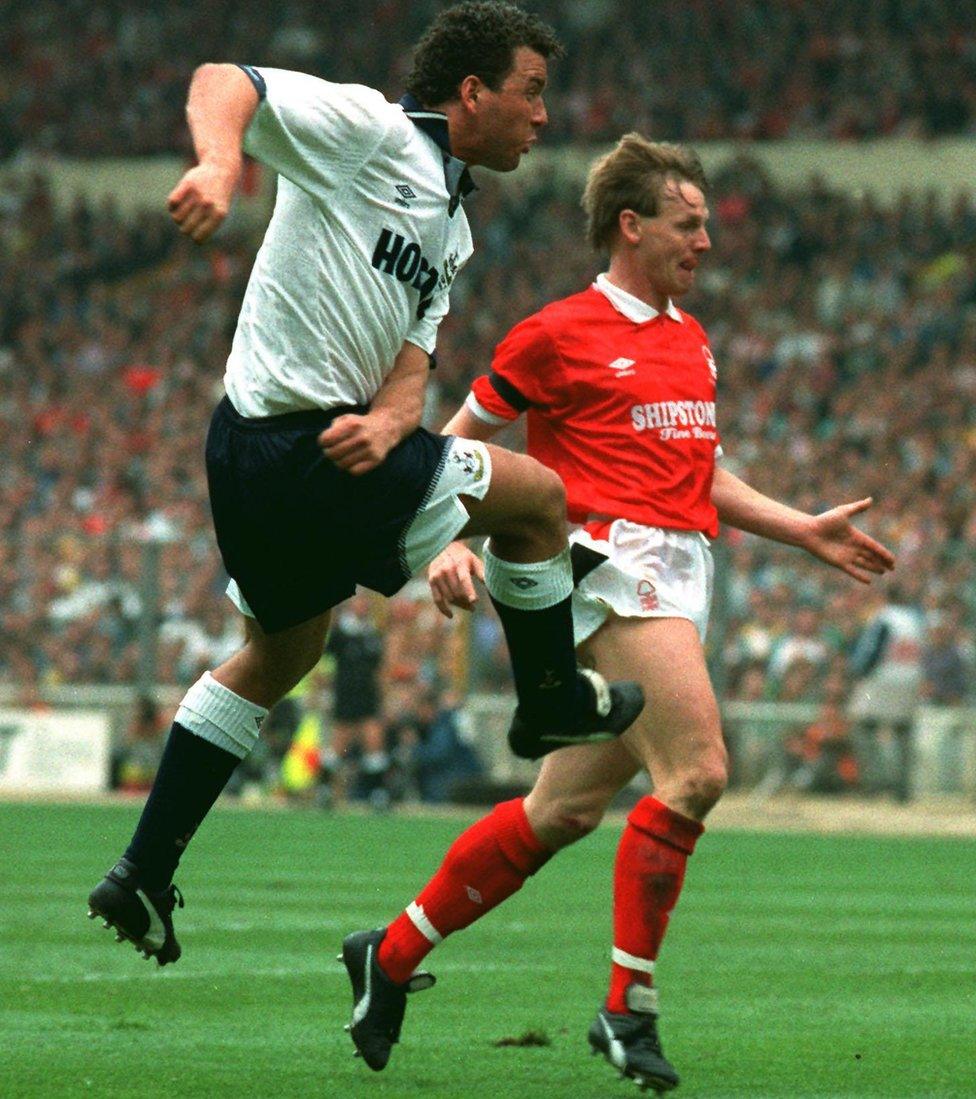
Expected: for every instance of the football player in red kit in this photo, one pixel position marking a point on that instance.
(618, 387)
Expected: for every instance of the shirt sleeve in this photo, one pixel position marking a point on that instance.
(424, 330)
(522, 376)
(313, 132)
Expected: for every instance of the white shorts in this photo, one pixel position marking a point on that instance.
(465, 471)
(648, 572)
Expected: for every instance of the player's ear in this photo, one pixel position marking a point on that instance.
(469, 90)
(629, 224)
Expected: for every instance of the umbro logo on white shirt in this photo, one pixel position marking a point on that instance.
(623, 367)
(404, 192)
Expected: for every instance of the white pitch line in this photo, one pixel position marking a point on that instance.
(277, 972)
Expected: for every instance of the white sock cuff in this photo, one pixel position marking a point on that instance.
(418, 917)
(215, 713)
(631, 961)
(530, 586)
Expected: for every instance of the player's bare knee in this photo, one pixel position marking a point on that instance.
(704, 783)
(550, 500)
(561, 823)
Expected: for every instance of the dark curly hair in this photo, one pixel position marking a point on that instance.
(475, 38)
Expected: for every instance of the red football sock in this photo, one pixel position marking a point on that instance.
(484, 866)
(647, 879)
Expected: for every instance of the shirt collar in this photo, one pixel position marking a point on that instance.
(634, 309)
(457, 178)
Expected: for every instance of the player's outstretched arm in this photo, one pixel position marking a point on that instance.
(830, 536)
(221, 104)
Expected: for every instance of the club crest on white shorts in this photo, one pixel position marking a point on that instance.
(647, 572)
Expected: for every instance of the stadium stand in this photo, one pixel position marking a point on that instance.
(844, 327)
(845, 335)
(112, 81)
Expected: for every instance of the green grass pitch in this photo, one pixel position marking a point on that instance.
(795, 966)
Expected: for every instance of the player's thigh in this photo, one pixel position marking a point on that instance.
(268, 665)
(294, 647)
(523, 493)
(680, 727)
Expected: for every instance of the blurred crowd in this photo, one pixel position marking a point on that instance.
(377, 721)
(110, 79)
(845, 337)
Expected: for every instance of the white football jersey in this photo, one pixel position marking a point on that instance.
(366, 237)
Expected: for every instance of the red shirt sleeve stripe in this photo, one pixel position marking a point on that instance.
(488, 404)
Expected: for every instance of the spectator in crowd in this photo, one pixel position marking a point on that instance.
(821, 758)
(134, 763)
(300, 729)
(749, 744)
(947, 674)
(883, 405)
(109, 81)
(434, 746)
(887, 665)
(803, 643)
(356, 647)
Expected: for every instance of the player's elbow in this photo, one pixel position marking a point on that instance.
(210, 70)
(220, 79)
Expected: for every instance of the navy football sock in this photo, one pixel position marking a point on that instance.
(540, 647)
(191, 775)
(533, 600)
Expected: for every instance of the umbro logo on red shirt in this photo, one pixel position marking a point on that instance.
(623, 367)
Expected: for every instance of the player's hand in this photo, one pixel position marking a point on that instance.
(451, 577)
(202, 199)
(358, 444)
(834, 538)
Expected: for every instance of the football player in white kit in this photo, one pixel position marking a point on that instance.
(320, 477)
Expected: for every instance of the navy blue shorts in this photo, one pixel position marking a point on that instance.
(297, 533)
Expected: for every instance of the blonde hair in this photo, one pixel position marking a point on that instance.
(631, 177)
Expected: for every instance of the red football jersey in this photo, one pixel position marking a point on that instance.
(623, 411)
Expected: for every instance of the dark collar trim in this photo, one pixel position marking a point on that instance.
(433, 123)
(457, 178)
